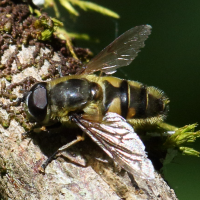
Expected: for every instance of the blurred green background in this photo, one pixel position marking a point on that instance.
(169, 61)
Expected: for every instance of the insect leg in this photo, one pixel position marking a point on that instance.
(78, 139)
(60, 150)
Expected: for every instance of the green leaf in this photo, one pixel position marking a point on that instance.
(57, 22)
(46, 35)
(79, 36)
(69, 7)
(86, 5)
(182, 136)
(189, 151)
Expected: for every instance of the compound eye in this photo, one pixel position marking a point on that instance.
(37, 102)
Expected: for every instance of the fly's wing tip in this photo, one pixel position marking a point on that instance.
(121, 52)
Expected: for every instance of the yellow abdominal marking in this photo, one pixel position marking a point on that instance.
(115, 106)
(131, 113)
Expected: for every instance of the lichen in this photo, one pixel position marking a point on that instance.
(30, 41)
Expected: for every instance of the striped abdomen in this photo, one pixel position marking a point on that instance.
(133, 100)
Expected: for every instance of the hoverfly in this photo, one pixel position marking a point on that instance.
(104, 106)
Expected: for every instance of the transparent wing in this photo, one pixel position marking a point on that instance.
(118, 139)
(121, 52)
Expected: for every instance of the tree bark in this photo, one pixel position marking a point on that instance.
(99, 179)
